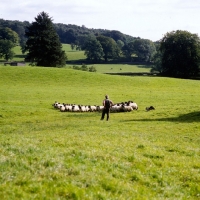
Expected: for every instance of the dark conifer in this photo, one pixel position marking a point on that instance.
(43, 44)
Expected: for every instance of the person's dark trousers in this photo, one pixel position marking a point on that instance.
(105, 111)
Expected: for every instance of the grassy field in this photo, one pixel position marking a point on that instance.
(74, 55)
(115, 68)
(48, 154)
(71, 54)
(102, 68)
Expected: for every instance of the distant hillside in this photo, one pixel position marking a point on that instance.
(68, 33)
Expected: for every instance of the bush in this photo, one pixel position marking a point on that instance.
(84, 67)
(92, 69)
(76, 67)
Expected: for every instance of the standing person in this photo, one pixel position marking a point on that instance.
(107, 103)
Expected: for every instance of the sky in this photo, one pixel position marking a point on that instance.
(147, 19)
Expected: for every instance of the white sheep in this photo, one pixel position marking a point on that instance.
(127, 108)
(100, 108)
(119, 107)
(62, 108)
(92, 108)
(57, 105)
(116, 108)
(82, 108)
(75, 108)
(68, 107)
(133, 105)
(87, 108)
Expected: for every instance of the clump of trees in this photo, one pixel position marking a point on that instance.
(139, 50)
(105, 48)
(8, 40)
(178, 55)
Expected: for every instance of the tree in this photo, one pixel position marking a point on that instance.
(180, 54)
(93, 49)
(120, 44)
(144, 49)
(8, 40)
(72, 46)
(6, 50)
(69, 36)
(110, 48)
(43, 45)
(157, 67)
(128, 50)
(115, 35)
(156, 60)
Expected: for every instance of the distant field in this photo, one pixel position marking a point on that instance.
(18, 54)
(73, 54)
(116, 68)
(101, 68)
(48, 154)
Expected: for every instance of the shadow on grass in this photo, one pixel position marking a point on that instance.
(184, 118)
(80, 61)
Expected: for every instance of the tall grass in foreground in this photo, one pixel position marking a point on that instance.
(47, 154)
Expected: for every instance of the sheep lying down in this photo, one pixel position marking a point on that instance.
(118, 107)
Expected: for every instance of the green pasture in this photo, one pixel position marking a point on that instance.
(71, 54)
(18, 54)
(74, 55)
(48, 154)
(115, 68)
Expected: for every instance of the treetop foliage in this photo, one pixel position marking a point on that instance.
(8, 40)
(43, 44)
(180, 52)
(68, 33)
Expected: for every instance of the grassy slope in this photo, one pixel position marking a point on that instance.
(137, 155)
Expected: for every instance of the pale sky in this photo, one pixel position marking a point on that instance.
(147, 19)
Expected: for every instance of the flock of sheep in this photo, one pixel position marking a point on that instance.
(118, 107)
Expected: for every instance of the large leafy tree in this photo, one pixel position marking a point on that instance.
(43, 44)
(69, 36)
(157, 67)
(116, 35)
(180, 52)
(93, 49)
(144, 49)
(110, 48)
(8, 40)
(128, 50)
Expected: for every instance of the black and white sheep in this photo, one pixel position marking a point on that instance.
(118, 107)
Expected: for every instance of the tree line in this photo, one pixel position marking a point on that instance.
(177, 54)
(68, 33)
